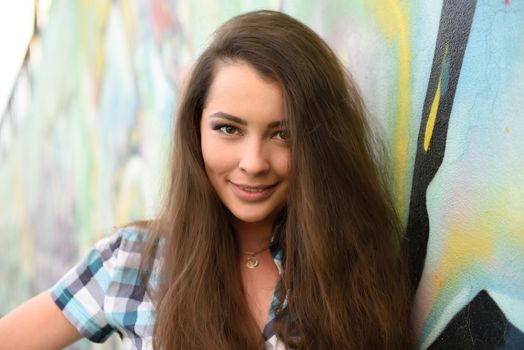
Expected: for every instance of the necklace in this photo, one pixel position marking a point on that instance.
(252, 260)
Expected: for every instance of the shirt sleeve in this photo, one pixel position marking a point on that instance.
(80, 294)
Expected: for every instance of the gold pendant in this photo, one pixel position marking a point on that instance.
(251, 262)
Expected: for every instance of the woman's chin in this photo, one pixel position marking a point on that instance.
(253, 218)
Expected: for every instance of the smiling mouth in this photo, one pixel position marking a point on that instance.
(253, 193)
(252, 190)
(255, 188)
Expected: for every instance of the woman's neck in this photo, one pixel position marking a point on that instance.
(253, 237)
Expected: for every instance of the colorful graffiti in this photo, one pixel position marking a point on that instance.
(465, 198)
(89, 120)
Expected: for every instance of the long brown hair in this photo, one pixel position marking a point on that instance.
(343, 280)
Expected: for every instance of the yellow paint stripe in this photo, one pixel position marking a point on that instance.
(432, 118)
(430, 125)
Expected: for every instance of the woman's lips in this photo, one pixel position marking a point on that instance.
(252, 193)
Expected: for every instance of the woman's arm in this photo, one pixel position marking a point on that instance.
(37, 324)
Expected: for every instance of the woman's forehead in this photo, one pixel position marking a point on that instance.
(238, 90)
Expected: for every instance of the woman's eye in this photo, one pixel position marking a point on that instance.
(282, 135)
(227, 129)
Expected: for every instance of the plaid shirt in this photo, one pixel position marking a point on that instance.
(103, 293)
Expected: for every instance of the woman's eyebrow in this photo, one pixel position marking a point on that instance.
(228, 117)
(275, 124)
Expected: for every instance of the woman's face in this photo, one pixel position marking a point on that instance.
(244, 142)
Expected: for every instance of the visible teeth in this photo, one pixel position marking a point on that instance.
(253, 189)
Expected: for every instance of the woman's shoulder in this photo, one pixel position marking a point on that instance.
(130, 238)
(125, 245)
(117, 254)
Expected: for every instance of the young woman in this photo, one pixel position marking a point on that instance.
(277, 230)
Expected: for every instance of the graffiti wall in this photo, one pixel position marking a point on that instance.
(88, 126)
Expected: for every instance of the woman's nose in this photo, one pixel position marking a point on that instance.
(253, 159)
